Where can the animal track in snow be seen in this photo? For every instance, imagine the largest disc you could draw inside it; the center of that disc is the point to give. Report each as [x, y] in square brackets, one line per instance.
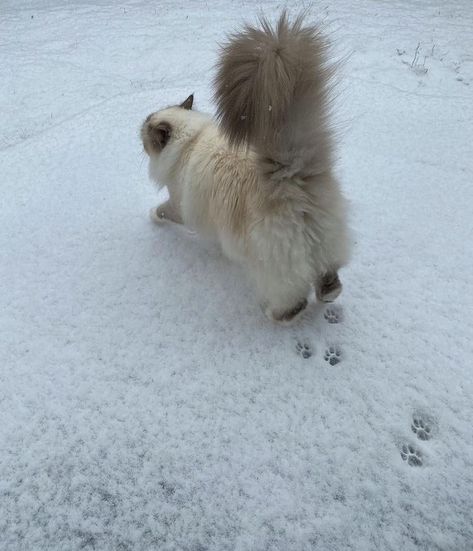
[304, 350]
[333, 355]
[333, 315]
[411, 455]
[421, 428]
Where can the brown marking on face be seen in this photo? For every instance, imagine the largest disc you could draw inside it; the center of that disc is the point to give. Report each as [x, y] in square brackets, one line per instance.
[155, 136]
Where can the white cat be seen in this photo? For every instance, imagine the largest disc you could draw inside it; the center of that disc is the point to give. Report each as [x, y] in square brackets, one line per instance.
[261, 180]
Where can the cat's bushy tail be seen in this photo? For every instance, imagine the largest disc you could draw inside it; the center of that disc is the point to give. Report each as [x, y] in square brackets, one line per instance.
[272, 93]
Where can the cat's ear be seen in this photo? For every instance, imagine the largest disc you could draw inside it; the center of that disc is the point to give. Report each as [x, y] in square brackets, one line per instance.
[187, 104]
[160, 135]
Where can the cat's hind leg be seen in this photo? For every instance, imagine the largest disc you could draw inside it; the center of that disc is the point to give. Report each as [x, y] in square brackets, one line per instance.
[328, 287]
[287, 314]
[282, 301]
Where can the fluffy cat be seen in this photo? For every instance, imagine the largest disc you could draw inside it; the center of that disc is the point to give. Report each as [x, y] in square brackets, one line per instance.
[260, 180]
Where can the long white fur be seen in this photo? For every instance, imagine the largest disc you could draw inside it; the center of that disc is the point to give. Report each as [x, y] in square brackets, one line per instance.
[288, 234]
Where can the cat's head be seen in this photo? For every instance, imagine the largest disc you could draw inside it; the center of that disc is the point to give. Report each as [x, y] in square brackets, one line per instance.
[159, 127]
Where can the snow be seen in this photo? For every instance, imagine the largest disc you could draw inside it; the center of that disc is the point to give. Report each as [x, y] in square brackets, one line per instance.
[146, 403]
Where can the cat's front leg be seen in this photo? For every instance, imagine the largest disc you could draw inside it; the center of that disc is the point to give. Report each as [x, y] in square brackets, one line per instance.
[166, 212]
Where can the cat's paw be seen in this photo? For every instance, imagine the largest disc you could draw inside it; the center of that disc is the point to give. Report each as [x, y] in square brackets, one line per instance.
[329, 287]
[158, 215]
[285, 317]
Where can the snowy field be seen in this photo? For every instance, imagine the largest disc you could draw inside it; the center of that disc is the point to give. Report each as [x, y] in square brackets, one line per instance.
[145, 402]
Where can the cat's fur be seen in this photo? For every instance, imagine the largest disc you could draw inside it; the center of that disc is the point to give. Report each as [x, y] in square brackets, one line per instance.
[261, 181]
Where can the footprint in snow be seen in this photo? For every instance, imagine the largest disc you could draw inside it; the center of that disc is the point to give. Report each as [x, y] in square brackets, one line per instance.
[333, 314]
[304, 350]
[412, 456]
[421, 428]
[333, 355]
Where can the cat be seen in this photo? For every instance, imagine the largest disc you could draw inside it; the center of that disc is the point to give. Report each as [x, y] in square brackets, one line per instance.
[259, 179]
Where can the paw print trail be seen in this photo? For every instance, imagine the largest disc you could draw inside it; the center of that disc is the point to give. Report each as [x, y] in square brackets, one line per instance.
[333, 315]
[421, 426]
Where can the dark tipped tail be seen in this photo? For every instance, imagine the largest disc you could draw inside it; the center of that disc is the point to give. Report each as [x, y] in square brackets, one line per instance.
[272, 90]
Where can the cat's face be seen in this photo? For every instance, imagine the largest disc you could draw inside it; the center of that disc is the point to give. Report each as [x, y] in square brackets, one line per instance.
[157, 129]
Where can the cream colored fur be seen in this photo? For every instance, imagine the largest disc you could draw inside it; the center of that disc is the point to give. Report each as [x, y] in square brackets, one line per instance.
[289, 234]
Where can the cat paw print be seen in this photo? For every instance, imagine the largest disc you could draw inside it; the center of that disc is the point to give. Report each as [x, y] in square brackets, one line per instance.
[412, 456]
[333, 355]
[304, 350]
[333, 315]
[421, 428]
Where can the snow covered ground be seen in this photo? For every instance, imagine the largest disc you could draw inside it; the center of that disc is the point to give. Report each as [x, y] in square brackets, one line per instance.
[145, 402]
